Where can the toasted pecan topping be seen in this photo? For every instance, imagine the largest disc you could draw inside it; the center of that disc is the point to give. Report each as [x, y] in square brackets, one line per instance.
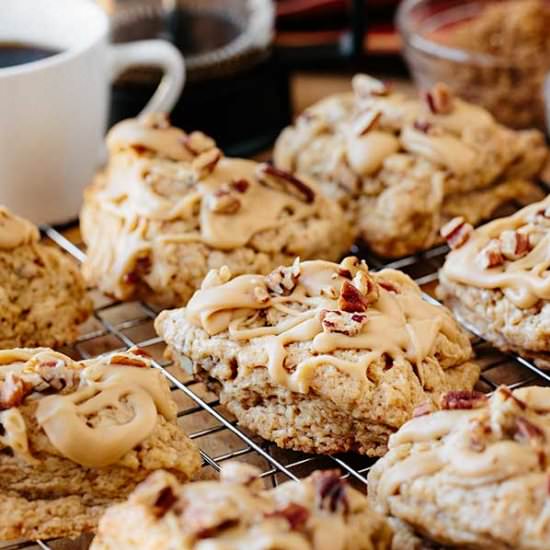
[223, 201]
[367, 286]
[197, 143]
[463, 399]
[13, 391]
[164, 502]
[206, 162]
[342, 322]
[366, 86]
[456, 232]
[506, 394]
[490, 255]
[351, 299]
[296, 515]
[440, 99]
[331, 490]
[283, 280]
[514, 245]
[240, 185]
[366, 121]
[283, 181]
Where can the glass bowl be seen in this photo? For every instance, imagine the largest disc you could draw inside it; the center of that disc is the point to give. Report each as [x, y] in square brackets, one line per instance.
[511, 90]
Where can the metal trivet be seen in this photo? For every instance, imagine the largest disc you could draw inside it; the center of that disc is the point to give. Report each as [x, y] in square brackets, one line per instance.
[116, 326]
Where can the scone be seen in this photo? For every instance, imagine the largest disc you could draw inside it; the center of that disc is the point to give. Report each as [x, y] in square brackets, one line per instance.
[42, 294]
[402, 167]
[169, 207]
[78, 436]
[320, 357]
[319, 512]
[473, 476]
[496, 280]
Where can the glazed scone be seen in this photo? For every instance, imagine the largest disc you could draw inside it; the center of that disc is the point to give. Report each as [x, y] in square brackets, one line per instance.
[317, 513]
[497, 282]
[402, 167]
[320, 357]
[42, 294]
[78, 436]
[169, 207]
[473, 476]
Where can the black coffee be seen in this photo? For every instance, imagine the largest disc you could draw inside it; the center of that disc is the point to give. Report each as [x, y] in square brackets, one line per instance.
[18, 53]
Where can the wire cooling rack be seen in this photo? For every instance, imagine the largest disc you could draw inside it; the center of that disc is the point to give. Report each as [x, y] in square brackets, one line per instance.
[117, 326]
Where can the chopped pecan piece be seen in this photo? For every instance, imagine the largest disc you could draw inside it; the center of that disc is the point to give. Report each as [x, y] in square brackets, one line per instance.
[342, 322]
[526, 430]
[164, 502]
[224, 201]
[456, 232]
[514, 245]
[367, 286]
[206, 162]
[127, 361]
[240, 185]
[351, 299]
[366, 121]
[463, 399]
[365, 86]
[506, 394]
[331, 490]
[283, 280]
[490, 255]
[281, 180]
[58, 376]
[348, 267]
[440, 99]
[296, 515]
[197, 143]
[13, 391]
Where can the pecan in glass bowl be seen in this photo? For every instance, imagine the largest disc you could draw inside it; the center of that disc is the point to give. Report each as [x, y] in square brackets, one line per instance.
[493, 53]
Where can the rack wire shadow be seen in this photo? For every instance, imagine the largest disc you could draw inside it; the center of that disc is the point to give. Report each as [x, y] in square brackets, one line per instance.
[117, 326]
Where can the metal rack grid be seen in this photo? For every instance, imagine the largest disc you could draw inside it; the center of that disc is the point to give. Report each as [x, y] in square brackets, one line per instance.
[117, 326]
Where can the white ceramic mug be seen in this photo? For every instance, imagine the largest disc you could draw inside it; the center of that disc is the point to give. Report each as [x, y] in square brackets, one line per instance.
[53, 112]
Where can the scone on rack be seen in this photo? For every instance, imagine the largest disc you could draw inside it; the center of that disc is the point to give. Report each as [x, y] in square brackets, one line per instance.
[78, 436]
[42, 294]
[169, 207]
[320, 357]
[496, 280]
[321, 511]
[402, 167]
[475, 475]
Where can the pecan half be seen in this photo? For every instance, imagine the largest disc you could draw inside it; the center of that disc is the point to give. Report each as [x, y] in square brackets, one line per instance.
[366, 121]
[206, 162]
[342, 322]
[490, 255]
[13, 391]
[440, 99]
[164, 502]
[283, 280]
[296, 515]
[224, 201]
[514, 245]
[463, 399]
[365, 86]
[127, 361]
[456, 232]
[283, 181]
[331, 490]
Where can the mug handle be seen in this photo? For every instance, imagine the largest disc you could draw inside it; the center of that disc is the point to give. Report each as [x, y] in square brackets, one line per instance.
[155, 53]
